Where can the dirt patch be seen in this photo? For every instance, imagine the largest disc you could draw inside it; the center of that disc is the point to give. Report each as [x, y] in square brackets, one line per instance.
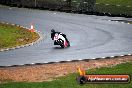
[47, 72]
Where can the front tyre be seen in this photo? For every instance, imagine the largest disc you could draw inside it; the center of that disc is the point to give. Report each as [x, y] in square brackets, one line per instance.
[61, 43]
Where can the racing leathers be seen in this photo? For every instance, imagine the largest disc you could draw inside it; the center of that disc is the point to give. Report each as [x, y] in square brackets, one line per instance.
[55, 35]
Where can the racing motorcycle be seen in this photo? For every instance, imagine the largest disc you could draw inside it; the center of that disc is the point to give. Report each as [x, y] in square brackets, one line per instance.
[60, 39]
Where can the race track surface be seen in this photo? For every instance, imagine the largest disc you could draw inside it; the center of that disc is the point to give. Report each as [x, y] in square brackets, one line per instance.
[90, 36]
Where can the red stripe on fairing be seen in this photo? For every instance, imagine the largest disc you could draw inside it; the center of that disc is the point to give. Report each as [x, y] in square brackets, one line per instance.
[65, 43]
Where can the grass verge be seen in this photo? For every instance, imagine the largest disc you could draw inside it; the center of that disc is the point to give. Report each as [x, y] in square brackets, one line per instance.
[116, 2]
[69, 81]
[115, 7]
[12, 36]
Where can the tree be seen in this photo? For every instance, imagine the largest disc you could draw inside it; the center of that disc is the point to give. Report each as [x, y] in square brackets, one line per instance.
[68, 3]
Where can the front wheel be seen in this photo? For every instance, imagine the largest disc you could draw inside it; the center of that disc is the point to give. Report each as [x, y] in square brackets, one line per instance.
[61, 43]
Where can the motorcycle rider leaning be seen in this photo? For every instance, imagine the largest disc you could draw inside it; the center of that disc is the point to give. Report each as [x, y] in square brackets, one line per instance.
[53, 32]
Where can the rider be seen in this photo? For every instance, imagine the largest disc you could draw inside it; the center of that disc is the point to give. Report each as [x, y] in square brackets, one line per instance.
[53, 32]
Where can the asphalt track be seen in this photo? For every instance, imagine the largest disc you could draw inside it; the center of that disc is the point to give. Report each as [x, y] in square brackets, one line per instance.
[90, 36]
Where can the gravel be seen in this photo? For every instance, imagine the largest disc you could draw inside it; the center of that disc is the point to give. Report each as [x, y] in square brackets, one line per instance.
[48, 72]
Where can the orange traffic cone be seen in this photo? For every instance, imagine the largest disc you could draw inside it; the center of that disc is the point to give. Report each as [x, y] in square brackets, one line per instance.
[32, 29]
[81, 71]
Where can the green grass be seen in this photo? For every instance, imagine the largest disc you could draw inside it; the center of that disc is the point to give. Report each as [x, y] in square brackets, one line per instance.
[116, 2]
[12, 36]
[69, 81]
[113, 9]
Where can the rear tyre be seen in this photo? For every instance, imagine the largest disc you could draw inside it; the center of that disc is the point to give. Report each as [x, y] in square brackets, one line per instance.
[68, 43]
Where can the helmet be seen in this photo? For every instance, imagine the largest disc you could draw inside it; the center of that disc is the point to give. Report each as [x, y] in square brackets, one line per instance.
[52, 30]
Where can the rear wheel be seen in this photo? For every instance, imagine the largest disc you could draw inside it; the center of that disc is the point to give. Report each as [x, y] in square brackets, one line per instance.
[68, 43]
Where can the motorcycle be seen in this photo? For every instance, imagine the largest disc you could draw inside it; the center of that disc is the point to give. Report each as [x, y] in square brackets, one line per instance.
[60, 39]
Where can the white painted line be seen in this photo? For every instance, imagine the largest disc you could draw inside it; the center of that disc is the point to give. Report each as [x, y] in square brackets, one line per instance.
[109, 20]
[27, 45]
[14, 48]
[122, 55]
[1, 50]
[9, 65]
[18, 47]
[93, 58]
[103, 57]
[57, 61]
[22, 46]
[31, 44]
[34, 43]
[112, 56]
[68, 60]
[122, 22]
[129, 54]
[116, 21]
[7, 49]
[128, 23]
[80, 59]
[22, 64]
[45, 62]
[32, 63]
